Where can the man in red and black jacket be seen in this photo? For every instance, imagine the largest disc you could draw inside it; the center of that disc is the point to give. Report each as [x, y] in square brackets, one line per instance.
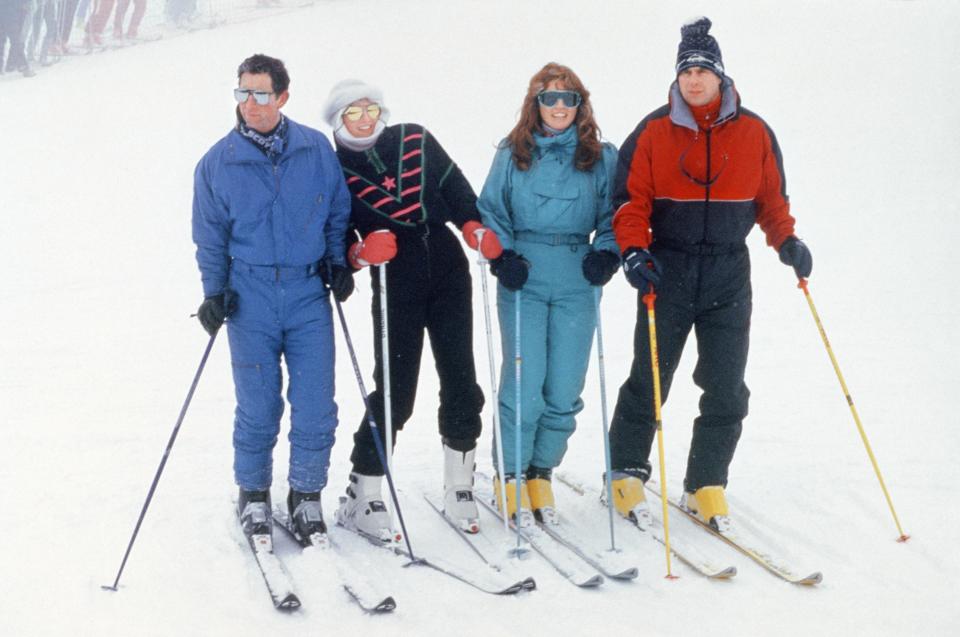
[692, 180]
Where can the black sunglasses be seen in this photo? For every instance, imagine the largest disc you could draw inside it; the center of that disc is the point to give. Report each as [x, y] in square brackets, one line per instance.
[570, 99]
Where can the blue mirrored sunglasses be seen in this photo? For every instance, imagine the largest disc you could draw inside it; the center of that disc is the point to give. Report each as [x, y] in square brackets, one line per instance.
[570, 99]
[260, 97]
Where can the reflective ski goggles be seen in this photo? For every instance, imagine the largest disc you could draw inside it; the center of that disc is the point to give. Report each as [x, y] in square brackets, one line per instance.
[355, 113]
[570, 99]
[260, 97]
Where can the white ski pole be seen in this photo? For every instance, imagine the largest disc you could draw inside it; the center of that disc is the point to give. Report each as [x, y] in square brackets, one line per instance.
[497, 431]
[385, 362]
[603, 411]
[518, 365]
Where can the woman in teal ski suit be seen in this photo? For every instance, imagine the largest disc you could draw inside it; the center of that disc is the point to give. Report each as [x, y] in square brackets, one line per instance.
[548, 191]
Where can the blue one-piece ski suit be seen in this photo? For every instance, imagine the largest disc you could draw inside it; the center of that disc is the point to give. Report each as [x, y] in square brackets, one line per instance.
[262, 228]
[548, 213]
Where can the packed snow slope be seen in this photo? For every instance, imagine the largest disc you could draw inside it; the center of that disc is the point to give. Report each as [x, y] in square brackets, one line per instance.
[99, 281]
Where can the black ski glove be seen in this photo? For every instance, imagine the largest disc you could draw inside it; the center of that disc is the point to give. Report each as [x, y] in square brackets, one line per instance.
[642, 268]
[215, 309]
[339, 279]
[795, 252]
[599, 266]
[511, 269]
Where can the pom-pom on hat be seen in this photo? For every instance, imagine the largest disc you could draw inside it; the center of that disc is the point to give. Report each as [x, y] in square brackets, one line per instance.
[698, 47]
[345, 93]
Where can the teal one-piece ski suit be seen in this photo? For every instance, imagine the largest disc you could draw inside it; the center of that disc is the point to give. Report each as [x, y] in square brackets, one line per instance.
[547, 214]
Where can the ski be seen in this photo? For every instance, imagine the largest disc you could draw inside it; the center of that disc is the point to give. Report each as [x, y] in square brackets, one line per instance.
[485, 585]
[278, 581]
[609, 564]
[750, 546]
[571, 566]
[323, 549]
[488, 550]
[685, 552]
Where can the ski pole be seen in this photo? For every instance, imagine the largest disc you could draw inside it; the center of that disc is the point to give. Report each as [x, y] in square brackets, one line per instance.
[385, 361]
[497, 431]
[163, 460]
[518, 419]
[603, 412]
[802, 284]
[373, 427]
[648, 300]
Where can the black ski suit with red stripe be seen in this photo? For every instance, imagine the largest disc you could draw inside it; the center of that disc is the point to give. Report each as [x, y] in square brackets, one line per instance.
[691, 190]
[408, 184]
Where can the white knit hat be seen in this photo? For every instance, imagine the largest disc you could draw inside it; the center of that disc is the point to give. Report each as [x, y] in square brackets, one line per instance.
[345, 93]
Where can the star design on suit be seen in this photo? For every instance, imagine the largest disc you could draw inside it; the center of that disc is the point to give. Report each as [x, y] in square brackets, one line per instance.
[389, 183]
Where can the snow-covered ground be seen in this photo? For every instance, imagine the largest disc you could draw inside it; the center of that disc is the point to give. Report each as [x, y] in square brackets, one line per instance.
[98, 348]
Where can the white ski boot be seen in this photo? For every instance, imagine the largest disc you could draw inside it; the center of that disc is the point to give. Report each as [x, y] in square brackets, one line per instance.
[458, 503]
[363, 510]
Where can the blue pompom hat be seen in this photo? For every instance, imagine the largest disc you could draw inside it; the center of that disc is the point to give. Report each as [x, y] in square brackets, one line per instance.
[698, 47]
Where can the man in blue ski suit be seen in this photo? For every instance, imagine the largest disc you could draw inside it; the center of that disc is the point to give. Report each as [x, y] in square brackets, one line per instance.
[270, 214]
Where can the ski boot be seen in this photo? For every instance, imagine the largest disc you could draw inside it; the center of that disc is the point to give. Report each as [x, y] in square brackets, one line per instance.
[709, 505]
[541, 495]
[458, 502]
[306, 517]
[253, 509]
[510, 480]
[628, 496]
[363, 510]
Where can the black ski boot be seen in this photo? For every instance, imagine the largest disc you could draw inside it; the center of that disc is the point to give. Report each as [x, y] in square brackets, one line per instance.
[253, 507]
[306, 516]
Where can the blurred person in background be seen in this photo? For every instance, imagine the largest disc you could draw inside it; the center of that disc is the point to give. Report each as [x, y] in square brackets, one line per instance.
[43, 22]
[14, 25]
[139, 9]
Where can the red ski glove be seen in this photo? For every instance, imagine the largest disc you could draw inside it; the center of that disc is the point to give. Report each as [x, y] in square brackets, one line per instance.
[489, 246]
[377, 248]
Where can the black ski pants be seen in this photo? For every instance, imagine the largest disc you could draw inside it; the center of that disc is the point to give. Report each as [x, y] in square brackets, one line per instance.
[711, 294]
[428, 289]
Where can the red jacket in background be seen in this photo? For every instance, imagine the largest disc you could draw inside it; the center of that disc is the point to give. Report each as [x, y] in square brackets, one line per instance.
[682, 184]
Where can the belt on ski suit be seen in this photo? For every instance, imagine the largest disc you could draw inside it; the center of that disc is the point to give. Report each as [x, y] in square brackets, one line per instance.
[277, 272]
[552, 239]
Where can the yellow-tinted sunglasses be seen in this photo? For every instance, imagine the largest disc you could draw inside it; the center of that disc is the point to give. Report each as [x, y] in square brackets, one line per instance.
[355, 113]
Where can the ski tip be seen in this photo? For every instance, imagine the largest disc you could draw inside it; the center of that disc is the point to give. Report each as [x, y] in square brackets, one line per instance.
[592, 582]
[627, 574]
[728, 573]
[289, 603]
[386, 606]
[529, 584]
[812, 579]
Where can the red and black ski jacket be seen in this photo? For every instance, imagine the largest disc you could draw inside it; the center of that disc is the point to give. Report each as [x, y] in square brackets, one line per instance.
[405, 182]
[702, 186]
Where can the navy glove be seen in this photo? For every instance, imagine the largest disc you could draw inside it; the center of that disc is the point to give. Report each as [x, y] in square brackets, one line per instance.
[339, 279]
[599, 266]
[642, 269]
[511, 269]
[795, 252]
[215, 309]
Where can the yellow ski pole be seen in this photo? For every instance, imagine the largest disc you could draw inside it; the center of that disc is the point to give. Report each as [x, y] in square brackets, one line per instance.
[648, 300]
[853, 410]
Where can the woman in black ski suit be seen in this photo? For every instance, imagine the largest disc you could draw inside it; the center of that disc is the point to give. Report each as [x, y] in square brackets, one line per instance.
[405, 188]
